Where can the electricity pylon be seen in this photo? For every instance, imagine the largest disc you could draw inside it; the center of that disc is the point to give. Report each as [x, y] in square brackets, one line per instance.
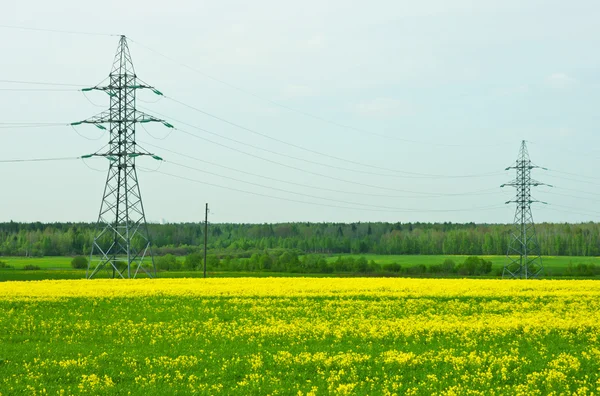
[523, 256]
[122, 243]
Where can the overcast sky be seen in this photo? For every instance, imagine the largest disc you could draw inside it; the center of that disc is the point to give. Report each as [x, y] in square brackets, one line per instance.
[430, 87]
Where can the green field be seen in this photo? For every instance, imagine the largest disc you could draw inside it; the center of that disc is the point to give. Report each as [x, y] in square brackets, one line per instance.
[42, 262]
[325, 336]
[60, 267]
[404, 260]
[550, 262]
[20, 275]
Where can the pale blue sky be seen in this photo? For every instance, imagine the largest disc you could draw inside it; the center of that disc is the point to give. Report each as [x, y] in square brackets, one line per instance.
[465, 81]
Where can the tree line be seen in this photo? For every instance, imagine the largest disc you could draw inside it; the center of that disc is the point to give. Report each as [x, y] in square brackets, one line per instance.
[289, 261]
[70, 239]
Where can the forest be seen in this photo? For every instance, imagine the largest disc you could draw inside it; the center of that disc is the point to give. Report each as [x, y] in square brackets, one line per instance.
[69, 239]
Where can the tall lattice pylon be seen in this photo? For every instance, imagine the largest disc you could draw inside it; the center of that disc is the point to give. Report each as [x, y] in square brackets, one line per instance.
[523, 256]
[122, 244]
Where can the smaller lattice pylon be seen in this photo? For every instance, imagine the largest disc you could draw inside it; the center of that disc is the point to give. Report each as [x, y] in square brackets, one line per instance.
[524, 259]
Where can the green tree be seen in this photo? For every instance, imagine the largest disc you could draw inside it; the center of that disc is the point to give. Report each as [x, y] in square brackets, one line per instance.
[361, 265]
[168, 262]
[192, 261]
[474, 265]
[212, 262]
[266, 262]
[79, 262]
[392, 267]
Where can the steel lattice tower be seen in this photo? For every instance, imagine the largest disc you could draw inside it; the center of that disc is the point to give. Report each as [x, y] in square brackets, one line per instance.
[122, 243]
[523, 256]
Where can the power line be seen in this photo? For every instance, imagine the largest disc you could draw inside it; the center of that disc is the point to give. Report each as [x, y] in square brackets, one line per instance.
[31, 125]
[158, 138]
[573, 180]
[577, 191]
[317, 203]
[304, 113]
[293, 167]
[574, 174]
[57, 31]
[321, 164]
[569, 211]
[38, 90]
[91, 101]
[437, 195]
[92, 168]
[40, 159]
[88, 138]
[41, 83]
[303, 194]
[570, 207]
[283, 190]
[572, 196]
[328, 155]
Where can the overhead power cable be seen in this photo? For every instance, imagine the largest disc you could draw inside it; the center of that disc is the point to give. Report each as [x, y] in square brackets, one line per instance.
[30, 125]
[38, 90]
[91, 167]
[304, 113]
[89, 138]
[577, 191]
[569, 211]
[573, 174]
[573, 180]
[40, 159]
[577, 209]
[33, 123]
[572, 196]
[155, 137]
[322, 204]
[320, 164]
[433, 176]
[42, 83]
[301, 194]
[293, 167]
[490, 191]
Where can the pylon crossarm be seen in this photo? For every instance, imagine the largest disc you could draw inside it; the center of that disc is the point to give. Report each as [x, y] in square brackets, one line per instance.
[144, 118]
[108, 90]
[101, 118]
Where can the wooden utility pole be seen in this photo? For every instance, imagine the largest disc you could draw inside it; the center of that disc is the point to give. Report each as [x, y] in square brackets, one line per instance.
[205, 236]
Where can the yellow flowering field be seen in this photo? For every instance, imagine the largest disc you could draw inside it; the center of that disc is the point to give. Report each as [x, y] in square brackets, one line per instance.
[300, 336]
